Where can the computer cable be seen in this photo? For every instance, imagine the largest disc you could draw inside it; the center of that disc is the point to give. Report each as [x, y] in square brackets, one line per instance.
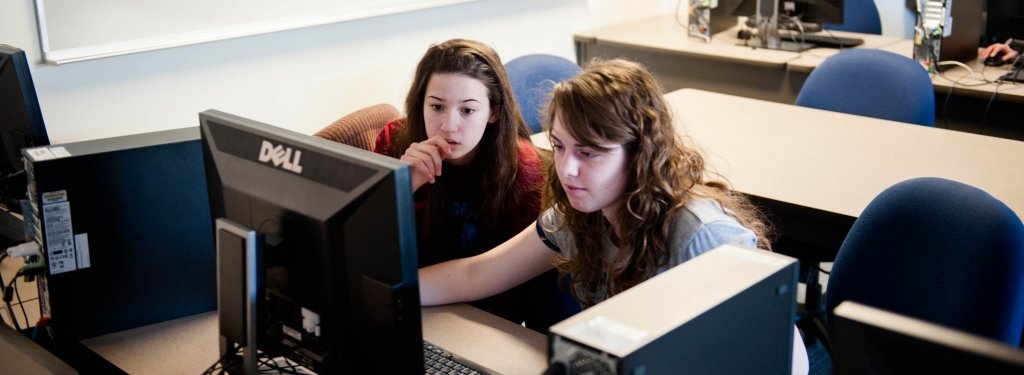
[11, 291]
[984, 116]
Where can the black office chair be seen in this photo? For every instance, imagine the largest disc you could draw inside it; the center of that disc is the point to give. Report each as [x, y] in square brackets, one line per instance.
[936, 250]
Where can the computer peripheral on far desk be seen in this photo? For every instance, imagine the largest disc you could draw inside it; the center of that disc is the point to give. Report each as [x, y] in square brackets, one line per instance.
[1016, 71]
[824, 40]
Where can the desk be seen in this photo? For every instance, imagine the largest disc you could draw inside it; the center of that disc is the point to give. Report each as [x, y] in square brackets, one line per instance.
[817, 170]
[190, 345]
[679, 61]
[963, 83]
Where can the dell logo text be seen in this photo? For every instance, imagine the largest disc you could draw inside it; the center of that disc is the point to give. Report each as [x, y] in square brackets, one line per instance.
[281, 156]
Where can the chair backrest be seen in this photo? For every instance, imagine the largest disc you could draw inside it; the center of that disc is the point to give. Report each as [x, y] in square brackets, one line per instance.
[940, 251]
[859, 16]
[532, 78]
[873, 83]
[360, 128]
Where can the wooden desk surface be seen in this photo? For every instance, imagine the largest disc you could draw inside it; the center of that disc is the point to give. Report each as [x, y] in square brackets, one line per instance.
[838, 162]
[189, 345]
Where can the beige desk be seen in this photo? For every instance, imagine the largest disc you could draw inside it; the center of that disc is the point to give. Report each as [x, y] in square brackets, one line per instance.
[964, 82]
[189, 345]
[680, 61]
[834, 161]
[817, 170]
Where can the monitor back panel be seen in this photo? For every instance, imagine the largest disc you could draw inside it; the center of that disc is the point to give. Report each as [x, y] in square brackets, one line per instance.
[126, 231]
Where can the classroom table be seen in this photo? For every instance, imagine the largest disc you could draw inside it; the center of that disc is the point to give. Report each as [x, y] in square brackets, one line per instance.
[680, 61]
[189, 345]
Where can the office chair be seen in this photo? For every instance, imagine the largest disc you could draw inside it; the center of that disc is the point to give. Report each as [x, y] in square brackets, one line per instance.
[873, 83]
[532, 78]
[859, 16]
[940, 251]
[360, 128]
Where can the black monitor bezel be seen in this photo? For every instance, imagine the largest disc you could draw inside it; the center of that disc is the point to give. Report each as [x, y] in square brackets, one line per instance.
[365, 286]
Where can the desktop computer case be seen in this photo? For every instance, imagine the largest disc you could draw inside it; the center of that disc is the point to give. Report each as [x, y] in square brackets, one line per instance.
[728, 311]
[124, 225]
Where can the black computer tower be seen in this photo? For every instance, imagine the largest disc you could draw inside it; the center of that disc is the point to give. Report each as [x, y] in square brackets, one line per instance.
[125, 229]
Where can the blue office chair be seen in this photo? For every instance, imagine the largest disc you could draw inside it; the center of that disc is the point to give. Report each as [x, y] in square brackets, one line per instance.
[873, 83]
[532, 78]
[940, 251]
[859, 16]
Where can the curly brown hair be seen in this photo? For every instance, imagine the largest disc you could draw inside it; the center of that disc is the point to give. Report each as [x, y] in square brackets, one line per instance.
[620, 102]
[497, 152]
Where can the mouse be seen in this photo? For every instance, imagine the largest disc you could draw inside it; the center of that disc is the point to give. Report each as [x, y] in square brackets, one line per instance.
[996, 60]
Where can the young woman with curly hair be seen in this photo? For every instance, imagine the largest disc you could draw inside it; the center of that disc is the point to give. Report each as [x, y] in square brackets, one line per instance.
[628, 200]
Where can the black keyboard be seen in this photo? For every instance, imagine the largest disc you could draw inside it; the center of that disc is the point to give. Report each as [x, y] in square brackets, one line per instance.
[437, 361]
[825, 40]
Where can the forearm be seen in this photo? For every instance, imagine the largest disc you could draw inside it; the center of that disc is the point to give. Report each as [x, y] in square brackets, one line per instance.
[468, 279]
[443, 283]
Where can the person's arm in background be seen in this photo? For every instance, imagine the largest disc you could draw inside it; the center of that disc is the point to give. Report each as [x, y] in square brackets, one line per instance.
[997, 49]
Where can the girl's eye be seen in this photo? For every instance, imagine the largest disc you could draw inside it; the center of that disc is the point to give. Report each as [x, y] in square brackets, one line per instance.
[437, 107]
[557, 147]
[468, 111]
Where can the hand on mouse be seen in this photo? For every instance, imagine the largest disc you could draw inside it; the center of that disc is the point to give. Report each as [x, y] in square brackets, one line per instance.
[997, 54]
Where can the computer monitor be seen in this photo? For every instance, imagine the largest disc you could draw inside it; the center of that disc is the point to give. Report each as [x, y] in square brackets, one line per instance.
[869, 340]
[1004, 19]
[21, 123]
[327, 232]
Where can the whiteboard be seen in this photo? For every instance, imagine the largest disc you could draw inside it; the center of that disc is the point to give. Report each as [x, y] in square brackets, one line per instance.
[76, 30]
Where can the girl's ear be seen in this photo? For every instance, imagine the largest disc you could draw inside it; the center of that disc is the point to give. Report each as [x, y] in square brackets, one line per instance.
[494, 115]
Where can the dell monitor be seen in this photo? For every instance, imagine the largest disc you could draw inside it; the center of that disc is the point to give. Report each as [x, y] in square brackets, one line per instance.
[21, 123]
[316, 250]
[868, 340]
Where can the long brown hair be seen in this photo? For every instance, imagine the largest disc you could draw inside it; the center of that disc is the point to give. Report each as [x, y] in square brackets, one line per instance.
[498, 149]
[619, 101]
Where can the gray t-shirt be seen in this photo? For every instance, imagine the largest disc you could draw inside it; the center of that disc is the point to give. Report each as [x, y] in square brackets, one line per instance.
[703, 225]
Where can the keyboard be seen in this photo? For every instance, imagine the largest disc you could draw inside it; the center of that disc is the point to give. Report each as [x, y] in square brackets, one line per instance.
[824, 40]
[438, 361]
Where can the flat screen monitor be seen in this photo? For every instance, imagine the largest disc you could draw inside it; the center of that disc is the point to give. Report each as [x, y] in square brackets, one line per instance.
[1004, 19]
[21, 122]
[869, 340]
[327, 234]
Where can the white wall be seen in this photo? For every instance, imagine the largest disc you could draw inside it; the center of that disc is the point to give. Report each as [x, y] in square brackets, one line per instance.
[300, 79]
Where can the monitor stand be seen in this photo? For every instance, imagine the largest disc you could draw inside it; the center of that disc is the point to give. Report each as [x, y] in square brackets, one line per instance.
[768, 31]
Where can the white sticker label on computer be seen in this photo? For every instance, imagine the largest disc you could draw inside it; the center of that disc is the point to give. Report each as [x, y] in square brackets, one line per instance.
[60, 152]
[40, 153]
[60, 242]
[82, 250]
[51, 197]
[610, 333]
